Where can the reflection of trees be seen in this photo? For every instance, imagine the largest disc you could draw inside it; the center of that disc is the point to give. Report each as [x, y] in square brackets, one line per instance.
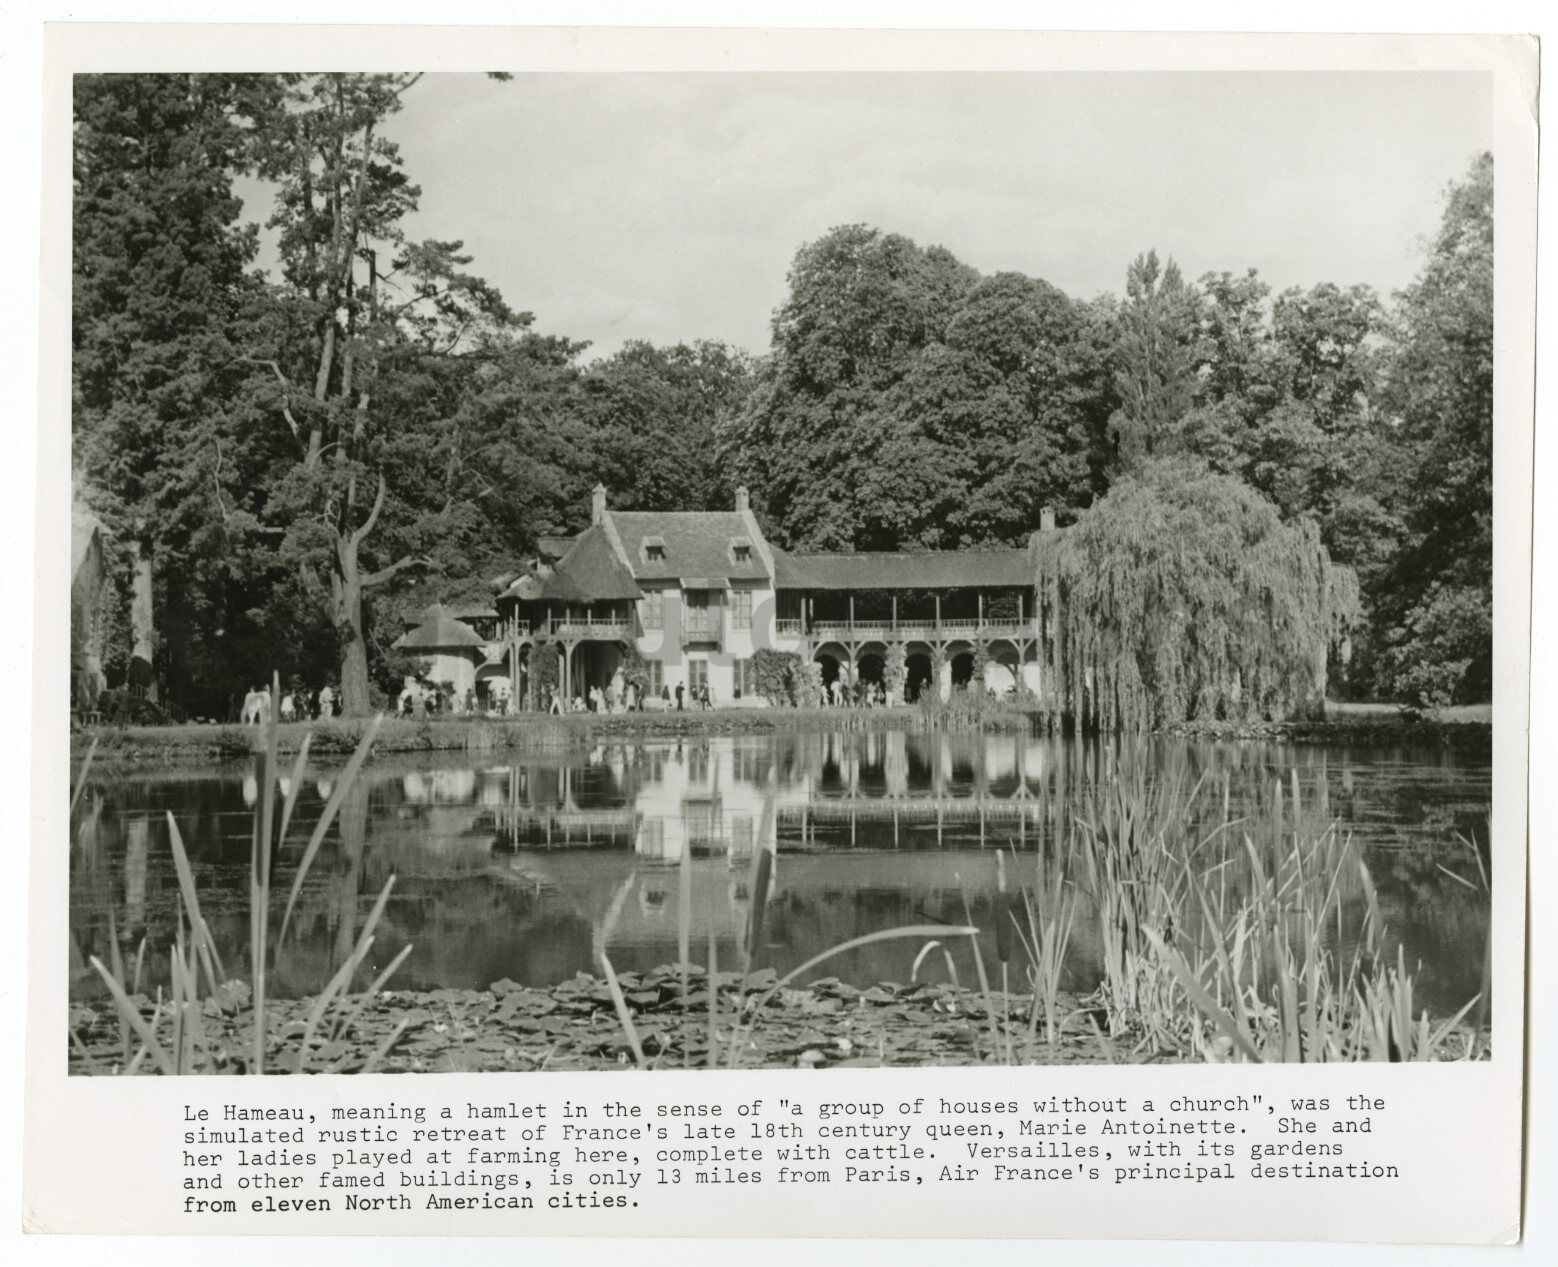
[472, 923]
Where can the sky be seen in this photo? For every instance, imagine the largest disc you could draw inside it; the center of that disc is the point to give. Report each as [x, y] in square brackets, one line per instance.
[668, 207]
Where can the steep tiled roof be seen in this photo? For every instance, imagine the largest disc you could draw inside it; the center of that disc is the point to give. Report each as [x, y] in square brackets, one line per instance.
[439, 631]
[84, 530]
[695, 543]
[591, 572]
[878, 569]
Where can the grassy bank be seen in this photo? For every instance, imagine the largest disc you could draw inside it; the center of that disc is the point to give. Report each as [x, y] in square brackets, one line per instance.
[1362, 729]
[531, 732]
[1348, 724]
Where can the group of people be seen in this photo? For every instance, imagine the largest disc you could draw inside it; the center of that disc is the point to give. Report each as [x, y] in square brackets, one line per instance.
[622, 696]
[702, 698]
[418, 699]
[296, 704]
[617, 696]
[858, 694]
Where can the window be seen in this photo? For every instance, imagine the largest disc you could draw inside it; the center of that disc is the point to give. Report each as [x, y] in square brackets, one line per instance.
[656, 684]
[741, 609]
[652, 608]
[654, 549]
[700, 614]
[697, 674]
[746, 678]
[741, 551]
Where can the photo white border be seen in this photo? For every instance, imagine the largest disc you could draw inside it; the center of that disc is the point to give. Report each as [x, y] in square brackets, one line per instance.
[147, 49]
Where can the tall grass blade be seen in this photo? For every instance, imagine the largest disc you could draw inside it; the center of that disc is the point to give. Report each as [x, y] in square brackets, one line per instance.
[294, 786]
[133, 1018]
[1202, 999]
[855, 943]
[210, 957]
[382, 1049]
[82, 777]
[624, 1016]
[332, 807]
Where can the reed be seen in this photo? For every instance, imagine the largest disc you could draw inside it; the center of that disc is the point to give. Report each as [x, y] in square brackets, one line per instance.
[1049, 912]
[194, 957]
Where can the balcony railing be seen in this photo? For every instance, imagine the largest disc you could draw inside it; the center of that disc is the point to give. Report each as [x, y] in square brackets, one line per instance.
[921, 630]
[708, 628]
[599, 627]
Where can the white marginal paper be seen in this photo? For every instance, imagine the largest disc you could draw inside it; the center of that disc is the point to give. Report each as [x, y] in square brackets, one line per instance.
[112, 1156]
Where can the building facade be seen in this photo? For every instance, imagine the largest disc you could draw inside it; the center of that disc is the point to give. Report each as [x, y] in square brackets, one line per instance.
[697, 594]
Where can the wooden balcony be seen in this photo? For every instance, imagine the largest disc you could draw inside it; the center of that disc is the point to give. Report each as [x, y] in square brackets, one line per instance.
[703, 628]
[596, 628]
[971, 630]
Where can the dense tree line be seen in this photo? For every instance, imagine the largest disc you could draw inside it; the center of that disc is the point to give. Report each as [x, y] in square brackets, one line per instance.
[300, 457]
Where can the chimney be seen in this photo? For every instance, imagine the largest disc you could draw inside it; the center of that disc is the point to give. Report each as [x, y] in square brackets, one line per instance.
[1046, 519]
[743, 500]
[598, 504]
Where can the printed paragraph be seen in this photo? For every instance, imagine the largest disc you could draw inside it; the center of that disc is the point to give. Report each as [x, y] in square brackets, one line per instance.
[612, 1154]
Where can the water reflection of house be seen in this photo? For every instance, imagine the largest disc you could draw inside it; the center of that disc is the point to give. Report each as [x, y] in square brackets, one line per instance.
[700, 804]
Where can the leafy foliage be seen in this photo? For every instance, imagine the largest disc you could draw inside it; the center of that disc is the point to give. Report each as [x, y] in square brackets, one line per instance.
[778, 675]
[1184, 595]
[1434, 616]
[911, 403]
[306, 457]
[895, 672]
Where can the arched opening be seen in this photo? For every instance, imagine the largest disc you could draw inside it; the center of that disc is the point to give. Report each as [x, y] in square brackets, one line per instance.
[593, 665]
[1004, 674]
[917, 671]
[871, 667]
[962, 668]
[830, 667]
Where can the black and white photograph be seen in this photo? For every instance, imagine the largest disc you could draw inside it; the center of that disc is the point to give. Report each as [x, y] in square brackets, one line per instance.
[697, 571]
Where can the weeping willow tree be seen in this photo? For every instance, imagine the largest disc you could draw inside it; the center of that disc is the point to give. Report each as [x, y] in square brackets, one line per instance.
[1182, 595]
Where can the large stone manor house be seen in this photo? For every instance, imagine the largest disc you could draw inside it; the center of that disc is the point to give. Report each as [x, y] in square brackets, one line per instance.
[698, 593]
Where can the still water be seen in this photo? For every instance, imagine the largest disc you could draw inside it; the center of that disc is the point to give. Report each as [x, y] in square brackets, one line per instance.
[507, 868]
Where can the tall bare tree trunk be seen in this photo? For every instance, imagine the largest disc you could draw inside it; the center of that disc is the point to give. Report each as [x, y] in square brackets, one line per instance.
[143, 622]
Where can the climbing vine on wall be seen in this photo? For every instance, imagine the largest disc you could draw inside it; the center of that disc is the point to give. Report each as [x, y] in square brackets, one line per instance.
[1184, 596]
[545, 670]
[895, 671]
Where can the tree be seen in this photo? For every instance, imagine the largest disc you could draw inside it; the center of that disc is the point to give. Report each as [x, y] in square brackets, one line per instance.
[1183, 595]
[360, 305]
[654, 413]
[911, 403]
[861, 304]
[159, 261]
[1155, 346]
[1433, 621]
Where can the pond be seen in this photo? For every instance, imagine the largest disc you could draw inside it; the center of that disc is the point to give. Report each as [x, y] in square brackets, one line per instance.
[509, 868]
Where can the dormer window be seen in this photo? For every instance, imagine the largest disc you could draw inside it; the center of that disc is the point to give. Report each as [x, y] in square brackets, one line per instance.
[740, 550]
[654, 549]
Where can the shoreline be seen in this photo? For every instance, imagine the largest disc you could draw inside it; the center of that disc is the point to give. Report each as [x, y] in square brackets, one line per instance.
[540, 733]
[573, 1026]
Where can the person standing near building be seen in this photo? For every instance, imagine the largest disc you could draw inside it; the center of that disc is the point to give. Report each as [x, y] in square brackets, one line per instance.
[678, 697]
